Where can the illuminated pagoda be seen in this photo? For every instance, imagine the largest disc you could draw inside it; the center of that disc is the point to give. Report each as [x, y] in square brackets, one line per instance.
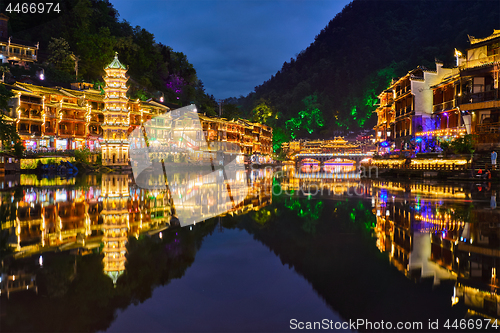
[116, 116]
[115, 222]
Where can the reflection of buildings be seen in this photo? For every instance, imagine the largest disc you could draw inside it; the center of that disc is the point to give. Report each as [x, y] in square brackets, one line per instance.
[476, 259]
[425, 236]
[50, 218]
[57, 216]
[342, 181]
[403, 227]
[115, 223]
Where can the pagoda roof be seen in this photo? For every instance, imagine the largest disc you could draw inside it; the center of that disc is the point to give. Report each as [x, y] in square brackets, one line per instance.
[115, 64]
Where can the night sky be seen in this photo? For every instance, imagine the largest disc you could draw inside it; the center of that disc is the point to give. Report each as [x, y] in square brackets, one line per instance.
[234, 45]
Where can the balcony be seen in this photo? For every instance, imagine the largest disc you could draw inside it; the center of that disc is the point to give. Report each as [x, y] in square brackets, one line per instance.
[31, 100]
[448, 105]
[488, 128]
[479, 97]
[481, 62]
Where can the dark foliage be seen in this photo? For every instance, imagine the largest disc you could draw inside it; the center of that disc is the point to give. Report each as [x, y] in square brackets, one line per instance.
[366, 45]
[94, 32]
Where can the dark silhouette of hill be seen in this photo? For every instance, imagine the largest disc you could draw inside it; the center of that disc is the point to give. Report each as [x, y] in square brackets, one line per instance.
[366, 45]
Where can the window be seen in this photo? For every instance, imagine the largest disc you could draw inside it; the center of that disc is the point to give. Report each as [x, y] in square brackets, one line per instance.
[493, 48]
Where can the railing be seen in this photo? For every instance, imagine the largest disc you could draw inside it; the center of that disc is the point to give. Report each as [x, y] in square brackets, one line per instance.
[488, 128]
[437, 107]
[31, 100]
[480, 97]
[481, 62]
[448, 105]
[423, 166]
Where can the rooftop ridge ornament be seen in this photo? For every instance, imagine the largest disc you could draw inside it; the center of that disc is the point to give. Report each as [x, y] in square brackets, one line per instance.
[473, 40]
[115, 64]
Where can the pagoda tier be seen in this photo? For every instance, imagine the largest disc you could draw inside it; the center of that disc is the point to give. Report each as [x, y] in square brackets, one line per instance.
[116, 116]
[115, 226]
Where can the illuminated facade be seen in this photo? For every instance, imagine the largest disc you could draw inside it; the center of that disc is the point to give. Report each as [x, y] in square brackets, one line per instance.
[15, 51]
[479, 88]
[337, 145]
[384, 130]
[446, 103]
[116, 116]
[59, 119]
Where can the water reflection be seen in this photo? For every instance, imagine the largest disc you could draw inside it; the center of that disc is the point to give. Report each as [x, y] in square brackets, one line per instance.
[427, 233]
[104, 211]
[330, 230]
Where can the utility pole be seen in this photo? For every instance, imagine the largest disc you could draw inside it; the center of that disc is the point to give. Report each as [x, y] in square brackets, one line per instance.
[220, 108]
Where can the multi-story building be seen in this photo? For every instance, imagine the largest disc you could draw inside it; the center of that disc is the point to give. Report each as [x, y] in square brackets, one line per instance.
[478, 94]
[13, 50]
[58, 119]
[413, 100]
[115, 147]
[448, 120]
[448, 102]
[385, 118]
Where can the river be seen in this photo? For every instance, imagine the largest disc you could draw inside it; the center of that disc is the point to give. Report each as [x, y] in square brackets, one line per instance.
[98, 253]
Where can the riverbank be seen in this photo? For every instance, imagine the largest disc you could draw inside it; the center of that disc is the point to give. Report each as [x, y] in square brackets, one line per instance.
[462, 175]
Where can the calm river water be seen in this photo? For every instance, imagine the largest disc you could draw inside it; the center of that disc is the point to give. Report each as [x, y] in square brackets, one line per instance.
[98, 253]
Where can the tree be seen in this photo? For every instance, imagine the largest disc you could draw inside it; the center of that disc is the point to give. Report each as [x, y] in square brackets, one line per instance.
[308, 120]
[60, 55]
[11, 142]
[264, 113]
[463, 145]
[231, 111]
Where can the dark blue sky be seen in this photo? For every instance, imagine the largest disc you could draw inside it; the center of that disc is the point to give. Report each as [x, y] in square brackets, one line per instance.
[234, 45]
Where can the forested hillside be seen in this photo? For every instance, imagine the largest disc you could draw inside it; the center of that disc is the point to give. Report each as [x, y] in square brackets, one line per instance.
[331, 86]
[92, 31]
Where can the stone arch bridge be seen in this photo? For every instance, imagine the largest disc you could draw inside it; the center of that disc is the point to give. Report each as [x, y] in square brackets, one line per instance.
[323, 157]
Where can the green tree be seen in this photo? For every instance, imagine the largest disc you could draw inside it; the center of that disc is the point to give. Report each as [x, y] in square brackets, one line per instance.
[11, 142]
[60, 55]
[308, 120]
[264, 113]
[279, 136]
[463, 145]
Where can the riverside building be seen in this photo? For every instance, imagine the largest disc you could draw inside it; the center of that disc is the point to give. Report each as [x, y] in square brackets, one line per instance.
[427, 107]
[58, 119]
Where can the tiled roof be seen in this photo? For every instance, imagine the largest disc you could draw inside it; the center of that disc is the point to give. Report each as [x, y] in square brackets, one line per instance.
[473, 40]
[115, 64]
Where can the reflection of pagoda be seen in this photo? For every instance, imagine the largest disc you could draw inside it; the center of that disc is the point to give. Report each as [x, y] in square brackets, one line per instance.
[115, 217]
[116, 116]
